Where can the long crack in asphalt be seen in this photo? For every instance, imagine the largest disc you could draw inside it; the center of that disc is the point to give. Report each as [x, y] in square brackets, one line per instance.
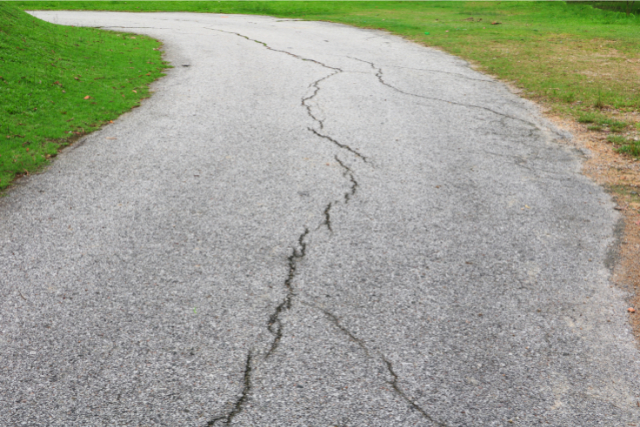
[380, 77]
[244, 395]
[449, 73]
[380, 358]
[266, 46]
[339, 144]
[274, 323]
[316, 87]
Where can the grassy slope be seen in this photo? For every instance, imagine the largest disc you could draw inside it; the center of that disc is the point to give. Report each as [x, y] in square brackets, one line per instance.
[47, 70]
[582, 62]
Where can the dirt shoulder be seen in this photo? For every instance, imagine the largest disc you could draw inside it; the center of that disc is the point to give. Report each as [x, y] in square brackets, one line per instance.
[620, 175]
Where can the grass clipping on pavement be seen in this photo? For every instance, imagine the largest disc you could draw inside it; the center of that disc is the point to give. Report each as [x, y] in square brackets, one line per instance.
[58, 83]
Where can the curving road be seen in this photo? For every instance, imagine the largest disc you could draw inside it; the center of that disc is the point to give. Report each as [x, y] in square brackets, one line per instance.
[312, 225]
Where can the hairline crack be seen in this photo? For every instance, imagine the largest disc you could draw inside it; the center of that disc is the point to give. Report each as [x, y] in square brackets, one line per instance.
[461, 104]
[394, 377]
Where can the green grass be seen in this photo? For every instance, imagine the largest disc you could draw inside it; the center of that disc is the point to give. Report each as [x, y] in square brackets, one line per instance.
[47, 72]
[618, 6]
[625, 145]
[601, 121]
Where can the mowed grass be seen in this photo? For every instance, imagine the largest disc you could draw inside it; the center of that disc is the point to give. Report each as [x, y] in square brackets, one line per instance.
[58, 83]
[619, 6]
[580, 61]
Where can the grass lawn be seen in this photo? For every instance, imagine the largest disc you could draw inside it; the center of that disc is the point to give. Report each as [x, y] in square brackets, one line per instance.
[580, 61]
[58, 83]
[620, 6]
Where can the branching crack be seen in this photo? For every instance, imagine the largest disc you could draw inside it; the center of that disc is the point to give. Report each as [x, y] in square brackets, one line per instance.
[315, 85]
[348, 173]
[274, 324]
[242, 399]
[380, 77]
[388, 365]
[343, 146]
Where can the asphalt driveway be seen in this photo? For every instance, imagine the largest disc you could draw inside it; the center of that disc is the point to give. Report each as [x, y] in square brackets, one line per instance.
[312, 225]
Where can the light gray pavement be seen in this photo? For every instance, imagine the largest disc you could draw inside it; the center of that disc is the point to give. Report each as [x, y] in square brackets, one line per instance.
[327, 227]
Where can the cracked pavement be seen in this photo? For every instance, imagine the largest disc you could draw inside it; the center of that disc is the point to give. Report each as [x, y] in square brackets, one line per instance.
[312, 225]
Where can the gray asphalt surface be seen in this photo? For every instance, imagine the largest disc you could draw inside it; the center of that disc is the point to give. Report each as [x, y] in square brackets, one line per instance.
[312, 225]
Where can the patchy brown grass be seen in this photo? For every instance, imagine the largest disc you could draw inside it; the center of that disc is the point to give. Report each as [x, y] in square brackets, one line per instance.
[568, 74]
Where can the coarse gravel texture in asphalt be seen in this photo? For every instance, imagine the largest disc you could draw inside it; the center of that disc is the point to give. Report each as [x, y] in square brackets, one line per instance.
[310, 224]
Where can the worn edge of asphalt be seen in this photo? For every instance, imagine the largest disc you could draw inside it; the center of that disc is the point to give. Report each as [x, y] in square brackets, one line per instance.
[622, 261]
